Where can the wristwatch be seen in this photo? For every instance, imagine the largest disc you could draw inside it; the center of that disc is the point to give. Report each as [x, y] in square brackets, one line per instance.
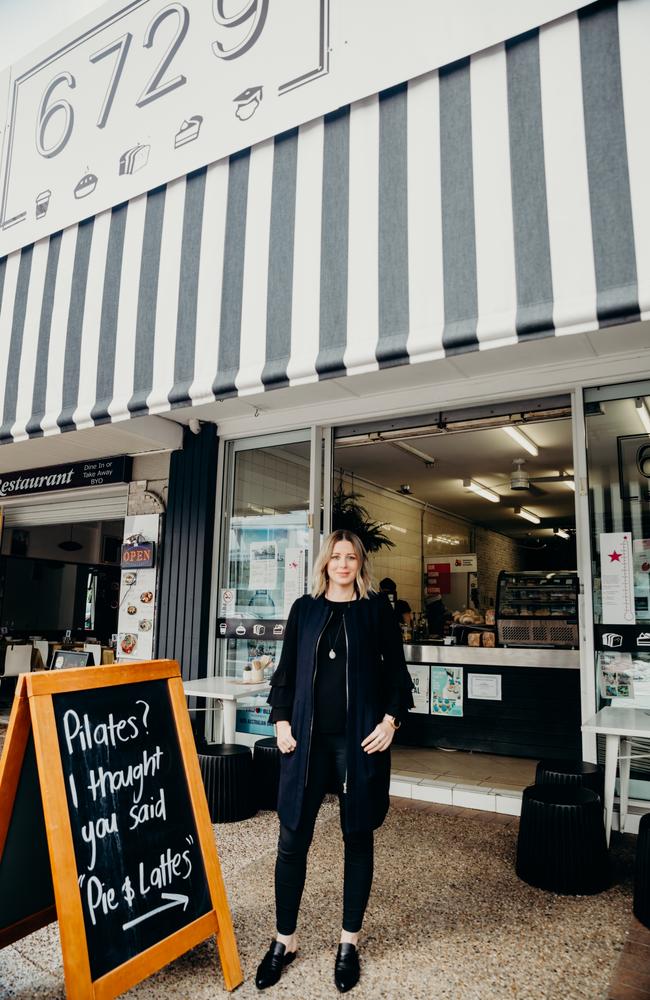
[395, 723]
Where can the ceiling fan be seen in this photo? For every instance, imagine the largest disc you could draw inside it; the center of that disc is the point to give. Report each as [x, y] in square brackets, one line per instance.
[520, 481]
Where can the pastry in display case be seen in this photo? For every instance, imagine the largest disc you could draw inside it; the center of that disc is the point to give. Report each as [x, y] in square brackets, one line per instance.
[538, 609]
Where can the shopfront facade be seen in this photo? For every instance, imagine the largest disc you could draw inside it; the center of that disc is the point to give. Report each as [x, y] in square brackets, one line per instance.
[475, 236]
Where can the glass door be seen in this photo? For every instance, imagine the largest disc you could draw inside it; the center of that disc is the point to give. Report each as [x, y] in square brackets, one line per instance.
[272, 521]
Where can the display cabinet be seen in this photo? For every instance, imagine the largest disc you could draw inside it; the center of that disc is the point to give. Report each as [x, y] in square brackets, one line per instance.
[537, 609]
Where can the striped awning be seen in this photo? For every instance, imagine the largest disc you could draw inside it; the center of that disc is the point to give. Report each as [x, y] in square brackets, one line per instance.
[500, 198]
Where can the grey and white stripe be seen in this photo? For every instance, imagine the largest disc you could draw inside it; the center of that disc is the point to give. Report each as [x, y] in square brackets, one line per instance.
[499, 198]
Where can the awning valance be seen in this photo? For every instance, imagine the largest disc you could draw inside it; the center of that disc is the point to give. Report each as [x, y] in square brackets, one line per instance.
[501, 198]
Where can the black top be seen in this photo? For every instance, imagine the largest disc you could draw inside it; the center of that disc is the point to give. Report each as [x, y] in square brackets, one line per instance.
[330, 694]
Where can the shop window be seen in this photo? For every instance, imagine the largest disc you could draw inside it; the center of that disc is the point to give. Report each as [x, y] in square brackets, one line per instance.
[618, 448]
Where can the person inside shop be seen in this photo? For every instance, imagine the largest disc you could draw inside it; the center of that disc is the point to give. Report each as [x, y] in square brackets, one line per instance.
[436, 612]
[401, 608]
[338, 695]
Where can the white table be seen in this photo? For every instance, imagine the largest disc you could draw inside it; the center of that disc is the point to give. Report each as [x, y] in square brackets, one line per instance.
[619, 726]
[228, 692]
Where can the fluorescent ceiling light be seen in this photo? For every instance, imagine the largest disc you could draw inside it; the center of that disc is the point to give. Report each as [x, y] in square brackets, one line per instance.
[516, 433]
[642, 411]
[428, 460]
[527, 514]
[571, 483]
[561, 533]
[481, 491]
[395, 527]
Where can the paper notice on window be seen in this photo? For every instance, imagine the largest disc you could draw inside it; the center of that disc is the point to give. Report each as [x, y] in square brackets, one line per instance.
[616, 675]
[294, 577]
[263, 566]
[617, 578]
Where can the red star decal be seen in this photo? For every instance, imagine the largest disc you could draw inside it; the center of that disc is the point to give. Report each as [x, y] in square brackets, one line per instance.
[615, 556]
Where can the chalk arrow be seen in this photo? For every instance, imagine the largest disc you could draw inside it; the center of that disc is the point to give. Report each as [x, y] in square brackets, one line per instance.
[175, 899]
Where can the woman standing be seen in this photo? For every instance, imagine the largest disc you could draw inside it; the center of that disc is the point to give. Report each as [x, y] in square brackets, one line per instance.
[339, 693]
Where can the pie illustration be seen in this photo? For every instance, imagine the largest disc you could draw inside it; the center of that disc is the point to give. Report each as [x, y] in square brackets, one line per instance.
[146, 597]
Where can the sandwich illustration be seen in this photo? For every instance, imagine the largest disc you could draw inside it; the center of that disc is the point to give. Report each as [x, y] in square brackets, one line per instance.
[134, 159]
[85, 186]
[189, 131]
[247, 103]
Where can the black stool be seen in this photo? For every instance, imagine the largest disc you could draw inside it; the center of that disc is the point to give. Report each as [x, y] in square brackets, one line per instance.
[266, 769]
[571, 772]
[227, 770]
[561, 845]
[641, 905]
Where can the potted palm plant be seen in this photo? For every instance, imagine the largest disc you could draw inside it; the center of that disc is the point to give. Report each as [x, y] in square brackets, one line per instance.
[350, 515]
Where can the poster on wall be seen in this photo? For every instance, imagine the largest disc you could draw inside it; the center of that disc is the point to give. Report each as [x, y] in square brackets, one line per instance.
[617, 578]
[136, 621]
[420, 677]
[447, 691]
[484, 687]
[438, 577]
[439, 569]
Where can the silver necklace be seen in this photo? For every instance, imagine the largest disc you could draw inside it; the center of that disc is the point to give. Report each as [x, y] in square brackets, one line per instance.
[332, 652]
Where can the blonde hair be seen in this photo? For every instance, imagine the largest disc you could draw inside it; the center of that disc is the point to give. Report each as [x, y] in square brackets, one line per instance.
[320, 580]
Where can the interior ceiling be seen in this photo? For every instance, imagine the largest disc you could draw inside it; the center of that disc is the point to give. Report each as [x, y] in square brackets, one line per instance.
[616, 418]
[485, 456]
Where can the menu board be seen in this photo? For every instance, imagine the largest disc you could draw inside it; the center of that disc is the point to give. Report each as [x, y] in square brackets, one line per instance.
[104, 825]
[139, 866]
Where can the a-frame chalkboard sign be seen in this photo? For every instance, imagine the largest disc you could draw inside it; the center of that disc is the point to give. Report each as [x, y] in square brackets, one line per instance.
[104, 825]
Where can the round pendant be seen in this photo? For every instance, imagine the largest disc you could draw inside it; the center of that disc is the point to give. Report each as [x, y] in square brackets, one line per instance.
[332, 654]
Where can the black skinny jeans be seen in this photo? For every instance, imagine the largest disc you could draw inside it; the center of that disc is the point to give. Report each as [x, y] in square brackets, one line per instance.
[327, 761]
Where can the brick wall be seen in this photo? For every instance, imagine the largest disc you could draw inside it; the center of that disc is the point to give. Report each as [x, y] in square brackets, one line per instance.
[494, 552]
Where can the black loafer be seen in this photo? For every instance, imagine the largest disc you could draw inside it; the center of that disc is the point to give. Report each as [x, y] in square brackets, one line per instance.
[346, 968]
[270, 968]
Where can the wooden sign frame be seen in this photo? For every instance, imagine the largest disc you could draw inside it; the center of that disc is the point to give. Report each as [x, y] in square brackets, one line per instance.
[33, 710]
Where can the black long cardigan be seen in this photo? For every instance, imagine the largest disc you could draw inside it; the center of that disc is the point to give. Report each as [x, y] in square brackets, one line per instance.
[377, 681]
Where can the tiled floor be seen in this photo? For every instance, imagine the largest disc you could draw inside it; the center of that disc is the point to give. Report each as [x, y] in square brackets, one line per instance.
[483, 769]
[456, 778]
[631, 979]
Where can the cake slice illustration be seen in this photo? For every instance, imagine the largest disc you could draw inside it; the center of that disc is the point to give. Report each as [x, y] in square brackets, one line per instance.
[134, 159]
[247, 103]
[189, 131]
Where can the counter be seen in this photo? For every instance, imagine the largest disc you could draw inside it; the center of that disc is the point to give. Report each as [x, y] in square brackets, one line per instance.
[563, 659]
[537, 715]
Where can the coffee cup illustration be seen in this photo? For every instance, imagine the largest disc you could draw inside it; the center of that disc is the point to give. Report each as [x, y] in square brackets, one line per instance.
[42, 203]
